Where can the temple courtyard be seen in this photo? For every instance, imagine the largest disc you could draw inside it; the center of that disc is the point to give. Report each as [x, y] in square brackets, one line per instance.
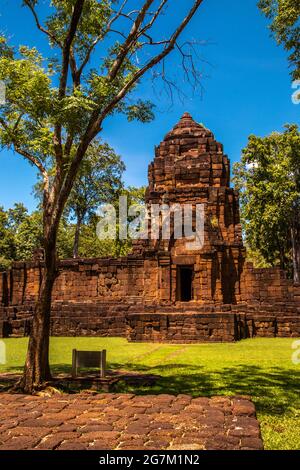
[204, 396]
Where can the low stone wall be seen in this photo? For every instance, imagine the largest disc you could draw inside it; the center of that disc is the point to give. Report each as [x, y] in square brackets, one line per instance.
[182, 328]
[207, 324]
[201, 328]
[149, 280]
[67, 319]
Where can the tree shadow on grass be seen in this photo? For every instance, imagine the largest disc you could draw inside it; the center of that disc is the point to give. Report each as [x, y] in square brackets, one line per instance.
[275, 391]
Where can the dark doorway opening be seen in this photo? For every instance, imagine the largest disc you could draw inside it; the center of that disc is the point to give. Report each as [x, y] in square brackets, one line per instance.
[185, 276]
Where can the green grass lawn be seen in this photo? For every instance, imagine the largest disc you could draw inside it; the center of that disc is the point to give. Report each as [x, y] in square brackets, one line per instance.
[259, 367]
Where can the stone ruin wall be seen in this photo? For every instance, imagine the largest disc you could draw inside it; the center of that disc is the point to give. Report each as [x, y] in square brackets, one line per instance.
[122, 298]
[90, 297]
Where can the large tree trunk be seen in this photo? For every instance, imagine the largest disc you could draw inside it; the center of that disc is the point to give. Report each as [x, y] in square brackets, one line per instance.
[37, 369]
[76, 238]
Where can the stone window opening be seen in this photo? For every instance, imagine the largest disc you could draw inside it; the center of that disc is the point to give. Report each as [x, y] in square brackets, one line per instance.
[185, 275]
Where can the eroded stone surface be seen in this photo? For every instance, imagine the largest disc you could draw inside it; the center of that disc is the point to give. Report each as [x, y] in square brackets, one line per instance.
[120, 422]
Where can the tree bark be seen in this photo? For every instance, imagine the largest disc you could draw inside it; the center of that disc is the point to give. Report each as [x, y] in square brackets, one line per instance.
[295, 238]
[37, 368]
[77, 237]
[295, 241]
[282, 257]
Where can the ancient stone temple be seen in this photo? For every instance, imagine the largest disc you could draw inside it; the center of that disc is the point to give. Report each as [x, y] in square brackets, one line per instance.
[191, 168]
[170, 288]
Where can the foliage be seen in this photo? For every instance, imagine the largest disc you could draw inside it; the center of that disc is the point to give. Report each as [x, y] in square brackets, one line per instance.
[29, 236]
[7, 248]
[135, 195]
[268, 178]
[91, 246]
[260, 367]
[21, 232]
[98, 181]
[285, 26]
[255, 257]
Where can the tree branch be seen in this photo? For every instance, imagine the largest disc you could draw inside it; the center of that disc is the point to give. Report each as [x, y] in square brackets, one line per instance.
[154, 18]
[100, 37]
[25, 153]
[132, 37]
[39, 26]
[171, 45]
[77, 12]
[94, 126]
[35, 162]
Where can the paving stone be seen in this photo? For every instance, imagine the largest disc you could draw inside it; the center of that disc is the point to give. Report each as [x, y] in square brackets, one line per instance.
[50, 442]
[20, 443]
[252, 443]
[28, 431]
[96, 428]
[249, 431]
[103, 445]
[72, 446]
[127, 423]
[159, 444]
[138, 429]
[41, 422]
[93, 436]
[243, 408]
[186, 446]
[67, 427]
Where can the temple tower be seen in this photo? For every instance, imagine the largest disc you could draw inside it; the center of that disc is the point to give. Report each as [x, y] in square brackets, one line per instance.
[190, 168]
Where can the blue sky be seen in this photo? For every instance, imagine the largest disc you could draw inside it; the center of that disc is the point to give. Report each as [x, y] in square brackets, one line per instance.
[246, 89]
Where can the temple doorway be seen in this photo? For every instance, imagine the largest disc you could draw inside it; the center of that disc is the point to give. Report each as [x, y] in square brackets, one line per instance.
[185, 276]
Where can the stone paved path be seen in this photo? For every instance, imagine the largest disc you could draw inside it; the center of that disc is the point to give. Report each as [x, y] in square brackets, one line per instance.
[113, 421]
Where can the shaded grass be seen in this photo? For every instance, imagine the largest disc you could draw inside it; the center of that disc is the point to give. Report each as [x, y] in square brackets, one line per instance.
[259, 367]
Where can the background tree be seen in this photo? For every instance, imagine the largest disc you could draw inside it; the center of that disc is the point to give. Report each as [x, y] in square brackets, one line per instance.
[98, 181]
[268, 178]
[285, 26]
[7, 245]
[56, 108]
[21, 233]
[135, 196]
[16, 216]
[28, 236]
[16, 243]
[91, 246]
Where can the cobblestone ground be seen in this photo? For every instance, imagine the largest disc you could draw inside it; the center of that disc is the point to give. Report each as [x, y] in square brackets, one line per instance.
[113, 421]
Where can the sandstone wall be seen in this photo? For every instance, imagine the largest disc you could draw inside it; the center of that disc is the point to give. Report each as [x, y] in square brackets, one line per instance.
[92, 280]
[268, 285]
[130, 297]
